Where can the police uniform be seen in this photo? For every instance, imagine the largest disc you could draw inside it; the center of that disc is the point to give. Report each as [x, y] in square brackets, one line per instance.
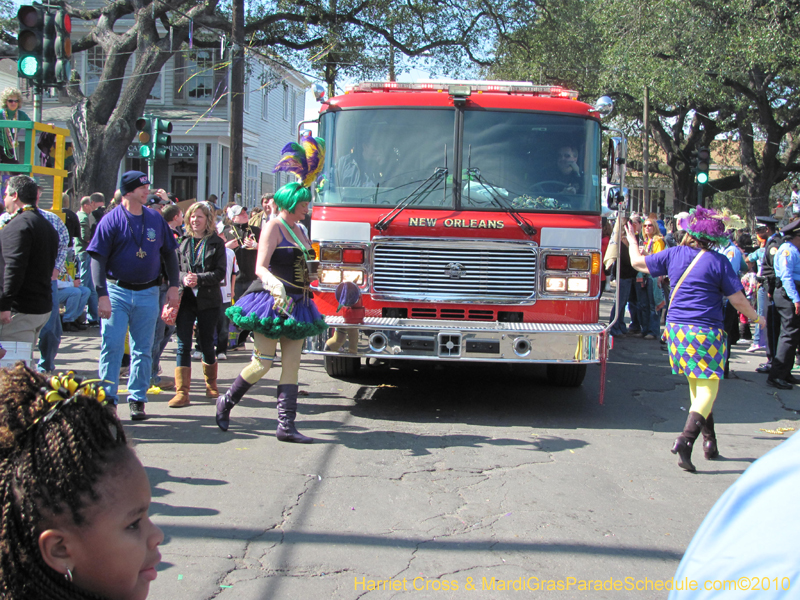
[787, 279]
[773, 325]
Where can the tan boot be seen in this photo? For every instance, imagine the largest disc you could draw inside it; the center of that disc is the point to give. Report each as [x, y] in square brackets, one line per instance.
[183, 378]
[210, 373]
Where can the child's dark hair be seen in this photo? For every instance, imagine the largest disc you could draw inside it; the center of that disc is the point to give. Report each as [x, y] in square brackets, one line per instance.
[48, 467]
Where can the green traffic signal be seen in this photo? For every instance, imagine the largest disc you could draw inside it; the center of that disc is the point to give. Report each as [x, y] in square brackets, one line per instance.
[703, 163]
[29, 66]
[144, 126]
[161, 130]
[30, 42]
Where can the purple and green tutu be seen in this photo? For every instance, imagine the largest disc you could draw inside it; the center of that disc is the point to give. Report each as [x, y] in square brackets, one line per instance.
[256, 312]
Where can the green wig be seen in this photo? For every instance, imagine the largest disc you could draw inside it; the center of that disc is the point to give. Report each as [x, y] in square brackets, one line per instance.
[290, 195]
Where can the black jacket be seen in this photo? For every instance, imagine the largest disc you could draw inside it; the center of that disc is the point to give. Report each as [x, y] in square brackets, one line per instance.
[28, 249]
[210, 270]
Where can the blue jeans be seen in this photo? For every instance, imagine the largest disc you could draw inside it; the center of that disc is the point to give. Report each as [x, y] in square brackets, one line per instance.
[50, 335]
[761, 307]
[624, 286]
[74, 301]
[85, 263]
[646, 305]
[138, 312]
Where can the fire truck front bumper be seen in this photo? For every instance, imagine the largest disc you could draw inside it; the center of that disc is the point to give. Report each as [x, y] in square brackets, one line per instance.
[388, 338]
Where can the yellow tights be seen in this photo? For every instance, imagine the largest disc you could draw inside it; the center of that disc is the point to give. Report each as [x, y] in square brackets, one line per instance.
[264, 354]
[703, 393]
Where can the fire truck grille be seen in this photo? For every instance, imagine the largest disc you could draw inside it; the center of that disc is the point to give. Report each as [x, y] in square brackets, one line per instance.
[454, 271]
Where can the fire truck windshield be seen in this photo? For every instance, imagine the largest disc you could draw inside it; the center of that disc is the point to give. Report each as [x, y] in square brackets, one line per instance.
[534, 161]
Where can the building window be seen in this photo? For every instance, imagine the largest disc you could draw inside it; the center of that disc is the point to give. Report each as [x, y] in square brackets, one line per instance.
[246, 99]
[265, 103]
[251, 184]
[277, 180]
[199, 86]
[95, 59]
[286, 101]
[157, 93]
[293, 121]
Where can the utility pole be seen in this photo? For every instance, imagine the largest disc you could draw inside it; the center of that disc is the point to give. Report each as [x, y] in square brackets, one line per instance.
[237, 100]
[646, 153]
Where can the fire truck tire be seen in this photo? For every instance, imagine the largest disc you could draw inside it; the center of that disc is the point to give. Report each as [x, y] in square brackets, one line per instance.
[566, 375]
[342, 366]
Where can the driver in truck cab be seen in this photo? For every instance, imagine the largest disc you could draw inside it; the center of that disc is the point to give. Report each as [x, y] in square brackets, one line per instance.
[568, 170]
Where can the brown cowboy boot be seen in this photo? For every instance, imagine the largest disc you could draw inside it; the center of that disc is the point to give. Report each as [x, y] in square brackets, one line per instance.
[183, 378]
[685, 442]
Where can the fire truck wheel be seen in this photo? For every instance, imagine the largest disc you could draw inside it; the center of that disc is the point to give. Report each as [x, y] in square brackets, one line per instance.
[566, 375]
[342, 366]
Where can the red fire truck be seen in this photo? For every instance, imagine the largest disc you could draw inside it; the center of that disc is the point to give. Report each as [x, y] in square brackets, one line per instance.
[468, 215]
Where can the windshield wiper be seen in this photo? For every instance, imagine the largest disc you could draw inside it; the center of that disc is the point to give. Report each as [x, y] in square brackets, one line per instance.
[423, 191]
[501, 202]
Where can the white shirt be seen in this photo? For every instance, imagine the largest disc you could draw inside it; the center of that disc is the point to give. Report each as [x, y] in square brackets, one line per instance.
[232, 268]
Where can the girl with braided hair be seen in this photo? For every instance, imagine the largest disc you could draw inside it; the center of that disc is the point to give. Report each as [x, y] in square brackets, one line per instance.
[73, 496]
[279, 305]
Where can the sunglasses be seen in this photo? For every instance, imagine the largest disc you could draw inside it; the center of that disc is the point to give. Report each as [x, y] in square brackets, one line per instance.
[13, 100]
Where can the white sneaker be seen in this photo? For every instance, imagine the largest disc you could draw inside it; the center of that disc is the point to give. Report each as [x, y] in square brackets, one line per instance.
[197, 355]
[222, 356]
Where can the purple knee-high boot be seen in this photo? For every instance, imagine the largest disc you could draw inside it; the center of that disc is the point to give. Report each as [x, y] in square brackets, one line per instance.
[287, 411]
[230, 399]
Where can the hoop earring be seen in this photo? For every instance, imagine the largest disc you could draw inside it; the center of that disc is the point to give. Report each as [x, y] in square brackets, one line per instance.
[68, 575]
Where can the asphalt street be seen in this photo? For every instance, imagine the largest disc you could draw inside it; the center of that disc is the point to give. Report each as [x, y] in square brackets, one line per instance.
[443, 481]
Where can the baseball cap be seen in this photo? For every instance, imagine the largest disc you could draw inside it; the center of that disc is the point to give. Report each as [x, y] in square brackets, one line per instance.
[235, 211]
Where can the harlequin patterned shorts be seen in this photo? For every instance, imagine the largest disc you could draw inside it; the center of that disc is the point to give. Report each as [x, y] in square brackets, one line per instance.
[696, 351]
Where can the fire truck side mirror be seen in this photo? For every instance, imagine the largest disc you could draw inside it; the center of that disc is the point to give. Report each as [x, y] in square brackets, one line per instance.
[616, 198]
[319, 92]
[603, 107]
[617, 155]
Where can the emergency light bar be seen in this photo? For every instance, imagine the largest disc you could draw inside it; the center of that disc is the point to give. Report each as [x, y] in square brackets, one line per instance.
[502, 87]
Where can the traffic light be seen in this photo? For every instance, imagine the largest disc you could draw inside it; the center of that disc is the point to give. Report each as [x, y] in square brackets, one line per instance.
[703, 162]
[49, 50]
[161, 130]
[63, 45]
[30, 44]
[144, 126]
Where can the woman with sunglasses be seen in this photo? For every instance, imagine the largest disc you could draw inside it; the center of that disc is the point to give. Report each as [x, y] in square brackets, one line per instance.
[11, 100]
[650, 298]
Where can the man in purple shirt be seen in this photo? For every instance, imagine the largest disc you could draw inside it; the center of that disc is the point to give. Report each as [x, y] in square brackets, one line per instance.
[127, 249]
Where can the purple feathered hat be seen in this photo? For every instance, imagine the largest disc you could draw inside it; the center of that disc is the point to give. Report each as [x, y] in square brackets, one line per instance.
[705, 223]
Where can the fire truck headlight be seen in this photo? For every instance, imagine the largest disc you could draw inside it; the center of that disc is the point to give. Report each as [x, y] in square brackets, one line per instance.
[356, 277]
[330, 276]
[578, 263]
[578, 284]
[330, 255]
[555, 284]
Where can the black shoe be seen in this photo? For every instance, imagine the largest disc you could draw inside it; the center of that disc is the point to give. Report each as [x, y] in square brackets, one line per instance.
[93, 323]
[69, 327]
[80, 326]
[781, 384]
[763, 368]
[137, 410]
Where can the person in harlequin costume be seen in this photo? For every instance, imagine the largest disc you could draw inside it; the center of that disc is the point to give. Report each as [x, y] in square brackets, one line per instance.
[694, 330]
[279, 305]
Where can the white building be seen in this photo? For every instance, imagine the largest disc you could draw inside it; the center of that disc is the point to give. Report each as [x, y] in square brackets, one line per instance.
[194, 96]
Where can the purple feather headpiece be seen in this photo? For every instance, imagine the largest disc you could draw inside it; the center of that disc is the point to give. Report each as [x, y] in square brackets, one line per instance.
[705, 223]
[304, 159]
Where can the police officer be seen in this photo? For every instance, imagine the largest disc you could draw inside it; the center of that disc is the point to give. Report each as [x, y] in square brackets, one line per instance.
[787, 303]
[770, 282]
